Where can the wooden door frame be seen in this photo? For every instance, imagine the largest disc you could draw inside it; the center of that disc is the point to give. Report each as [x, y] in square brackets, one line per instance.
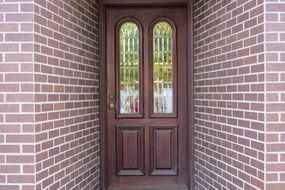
[188, 4]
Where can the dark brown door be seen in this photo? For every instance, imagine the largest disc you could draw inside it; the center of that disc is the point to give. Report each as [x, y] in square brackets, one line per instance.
[147, 98]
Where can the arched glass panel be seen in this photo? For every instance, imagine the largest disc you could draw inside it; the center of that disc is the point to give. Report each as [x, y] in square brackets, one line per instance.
[129, 48]
[162, 68]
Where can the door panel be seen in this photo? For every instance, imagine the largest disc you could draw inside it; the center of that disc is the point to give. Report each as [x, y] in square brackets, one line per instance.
[147, 98]
[130, 150]
[163, 149]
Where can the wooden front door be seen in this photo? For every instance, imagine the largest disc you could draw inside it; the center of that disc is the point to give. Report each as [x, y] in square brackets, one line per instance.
[146, 98]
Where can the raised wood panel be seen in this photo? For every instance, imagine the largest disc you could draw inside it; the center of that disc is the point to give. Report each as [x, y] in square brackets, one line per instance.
[163, 150]
[130, 150]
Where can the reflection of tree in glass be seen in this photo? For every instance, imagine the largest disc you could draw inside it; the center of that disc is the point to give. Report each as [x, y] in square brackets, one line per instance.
[162, 61]
[129, 67]
[162, 67]
[129, 54]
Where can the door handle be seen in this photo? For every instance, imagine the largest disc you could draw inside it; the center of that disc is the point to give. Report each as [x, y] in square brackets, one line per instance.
[111, 106]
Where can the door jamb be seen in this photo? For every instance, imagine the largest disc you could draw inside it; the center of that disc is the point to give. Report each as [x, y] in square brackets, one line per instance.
[102, 96]
[190, 90]
[103, 93]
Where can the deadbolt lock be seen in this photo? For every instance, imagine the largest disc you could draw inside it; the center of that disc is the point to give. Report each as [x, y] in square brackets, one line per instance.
[111, 97]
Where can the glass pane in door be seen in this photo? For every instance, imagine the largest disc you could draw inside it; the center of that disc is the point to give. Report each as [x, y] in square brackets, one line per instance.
[129, 39]
[162, 68]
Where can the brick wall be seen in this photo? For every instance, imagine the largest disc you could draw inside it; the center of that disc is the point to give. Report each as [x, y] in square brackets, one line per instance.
[275, 97]
[16, 96]
[49, 134]
[66, 86]
[229, 94]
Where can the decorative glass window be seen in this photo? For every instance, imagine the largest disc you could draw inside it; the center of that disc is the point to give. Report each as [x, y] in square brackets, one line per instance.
[163, 68]
[129, 70]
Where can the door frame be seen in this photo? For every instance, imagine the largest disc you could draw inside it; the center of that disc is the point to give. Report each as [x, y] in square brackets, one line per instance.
[103, 5]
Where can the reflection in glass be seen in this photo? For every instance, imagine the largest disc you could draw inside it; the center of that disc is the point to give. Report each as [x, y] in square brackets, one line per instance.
[163, 68]
[129, 68]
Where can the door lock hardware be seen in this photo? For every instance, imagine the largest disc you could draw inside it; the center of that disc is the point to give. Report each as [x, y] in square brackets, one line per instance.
[111, 106]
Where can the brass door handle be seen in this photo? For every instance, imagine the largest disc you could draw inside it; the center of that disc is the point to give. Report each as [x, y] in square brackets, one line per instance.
[111, 106]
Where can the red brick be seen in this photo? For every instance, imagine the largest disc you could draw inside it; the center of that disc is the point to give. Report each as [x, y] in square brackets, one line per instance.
[19, 57]
[21, 179]
[10, 169]
[19, 98]
[276, 185]
[20, 77]
[8, 8]
[19, 17]
[10, 128]
[27, 7]
[9, 47]
[20, 159]
[9, 87]
[20, 138]
[10, 187]
[18, 37]
[8, 27]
